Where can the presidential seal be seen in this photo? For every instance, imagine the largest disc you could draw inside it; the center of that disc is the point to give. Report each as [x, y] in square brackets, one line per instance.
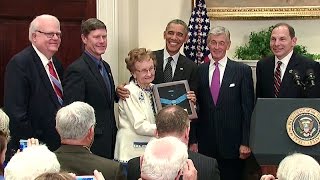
[303, 126]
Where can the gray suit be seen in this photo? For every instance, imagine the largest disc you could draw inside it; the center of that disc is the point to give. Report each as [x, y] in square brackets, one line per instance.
[79, 160]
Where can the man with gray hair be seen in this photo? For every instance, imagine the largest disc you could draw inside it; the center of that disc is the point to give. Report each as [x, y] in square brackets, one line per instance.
[174, 121]
[32, 88]
[225, 106]
[75, 125]
[31, 162]
[164, 159]
[297, 167]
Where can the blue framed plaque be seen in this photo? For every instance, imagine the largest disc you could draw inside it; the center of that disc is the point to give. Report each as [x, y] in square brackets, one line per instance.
[174, 93]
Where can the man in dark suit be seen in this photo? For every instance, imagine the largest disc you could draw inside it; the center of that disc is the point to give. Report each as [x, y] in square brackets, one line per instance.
[225, 107]
[75, 125]
[175, 34]
[173, 121]
[31, 99]
[294, 68]
[89, 79]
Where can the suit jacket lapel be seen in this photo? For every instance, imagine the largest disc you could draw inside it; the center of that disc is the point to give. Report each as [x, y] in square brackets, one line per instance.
[178, 73]
[44, 77]
[93, 68]
[110, 79]
[159, 75]
[287, 77]
[226, 80]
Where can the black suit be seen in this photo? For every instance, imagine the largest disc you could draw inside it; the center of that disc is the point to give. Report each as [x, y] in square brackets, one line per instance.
[185, 70]
[288, 88]
[30, 100]
[79, 160]
[83, 82]
[207, 167]
[222, 128]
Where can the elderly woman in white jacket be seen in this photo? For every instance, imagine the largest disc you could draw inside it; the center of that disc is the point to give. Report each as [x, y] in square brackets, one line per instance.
[137, 113]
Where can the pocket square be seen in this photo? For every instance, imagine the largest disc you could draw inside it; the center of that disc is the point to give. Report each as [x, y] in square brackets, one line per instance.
[232, 85]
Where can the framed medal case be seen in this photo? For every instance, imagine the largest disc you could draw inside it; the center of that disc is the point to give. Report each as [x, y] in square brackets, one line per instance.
[174, 93]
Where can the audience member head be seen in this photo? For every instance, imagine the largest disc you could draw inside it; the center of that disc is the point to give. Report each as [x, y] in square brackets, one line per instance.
[163, 159]
[298, 167]
[4, 123]
[30, 163]
[45, 34]
[75, 124]
[282, 40]
[94, 37]
[173, 121]
[218, 42]
[175, 34]
[55, 176]
[141, 63]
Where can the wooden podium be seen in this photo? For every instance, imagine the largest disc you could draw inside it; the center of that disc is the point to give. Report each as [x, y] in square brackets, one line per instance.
[269, 140]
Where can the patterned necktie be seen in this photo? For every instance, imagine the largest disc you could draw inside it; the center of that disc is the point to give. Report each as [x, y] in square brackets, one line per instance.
[168, 71]
[55, 82]
[215, 83]
[277, 79]
[105, 77]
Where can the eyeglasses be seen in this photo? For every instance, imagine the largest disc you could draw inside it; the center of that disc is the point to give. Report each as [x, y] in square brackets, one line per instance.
[50, 34]
[145, 71]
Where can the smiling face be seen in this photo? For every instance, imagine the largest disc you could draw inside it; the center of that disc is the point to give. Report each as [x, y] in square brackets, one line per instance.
[144, 71]
[96, 42]
[175, 35]
[281, 43]
[218, 46]
[41, 37]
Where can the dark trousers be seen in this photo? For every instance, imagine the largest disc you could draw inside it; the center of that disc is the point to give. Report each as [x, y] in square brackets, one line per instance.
[230, 169]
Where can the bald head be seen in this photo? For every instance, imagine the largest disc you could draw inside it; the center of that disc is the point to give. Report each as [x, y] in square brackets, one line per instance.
[172, 120]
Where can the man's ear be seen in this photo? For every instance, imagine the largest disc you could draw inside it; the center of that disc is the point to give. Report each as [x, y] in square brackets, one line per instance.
[156, 134]
[90, 133]
[141, 159]
[187, 132]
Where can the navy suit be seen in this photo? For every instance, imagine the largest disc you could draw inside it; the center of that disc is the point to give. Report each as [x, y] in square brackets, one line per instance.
[288, 88]
[83, 82]
[30, 100]
[223, 127]
[207, 167]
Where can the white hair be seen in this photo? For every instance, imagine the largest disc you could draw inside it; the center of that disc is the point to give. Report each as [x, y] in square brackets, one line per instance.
[164, 158]
[4, 122]
[35, 23]
[30, 163]
[219, 30]
[74, 120]
[298, 167]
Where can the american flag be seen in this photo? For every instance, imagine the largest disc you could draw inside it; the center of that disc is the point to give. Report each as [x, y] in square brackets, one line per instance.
[199, 25]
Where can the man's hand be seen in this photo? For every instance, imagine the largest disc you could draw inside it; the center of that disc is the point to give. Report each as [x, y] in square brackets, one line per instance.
[245, 152]
[192, 96]
[193, 147]
[189, 171]
[122, 92]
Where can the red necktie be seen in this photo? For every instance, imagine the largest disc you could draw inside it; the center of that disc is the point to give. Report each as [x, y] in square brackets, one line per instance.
[277, 79]
[56, 82]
